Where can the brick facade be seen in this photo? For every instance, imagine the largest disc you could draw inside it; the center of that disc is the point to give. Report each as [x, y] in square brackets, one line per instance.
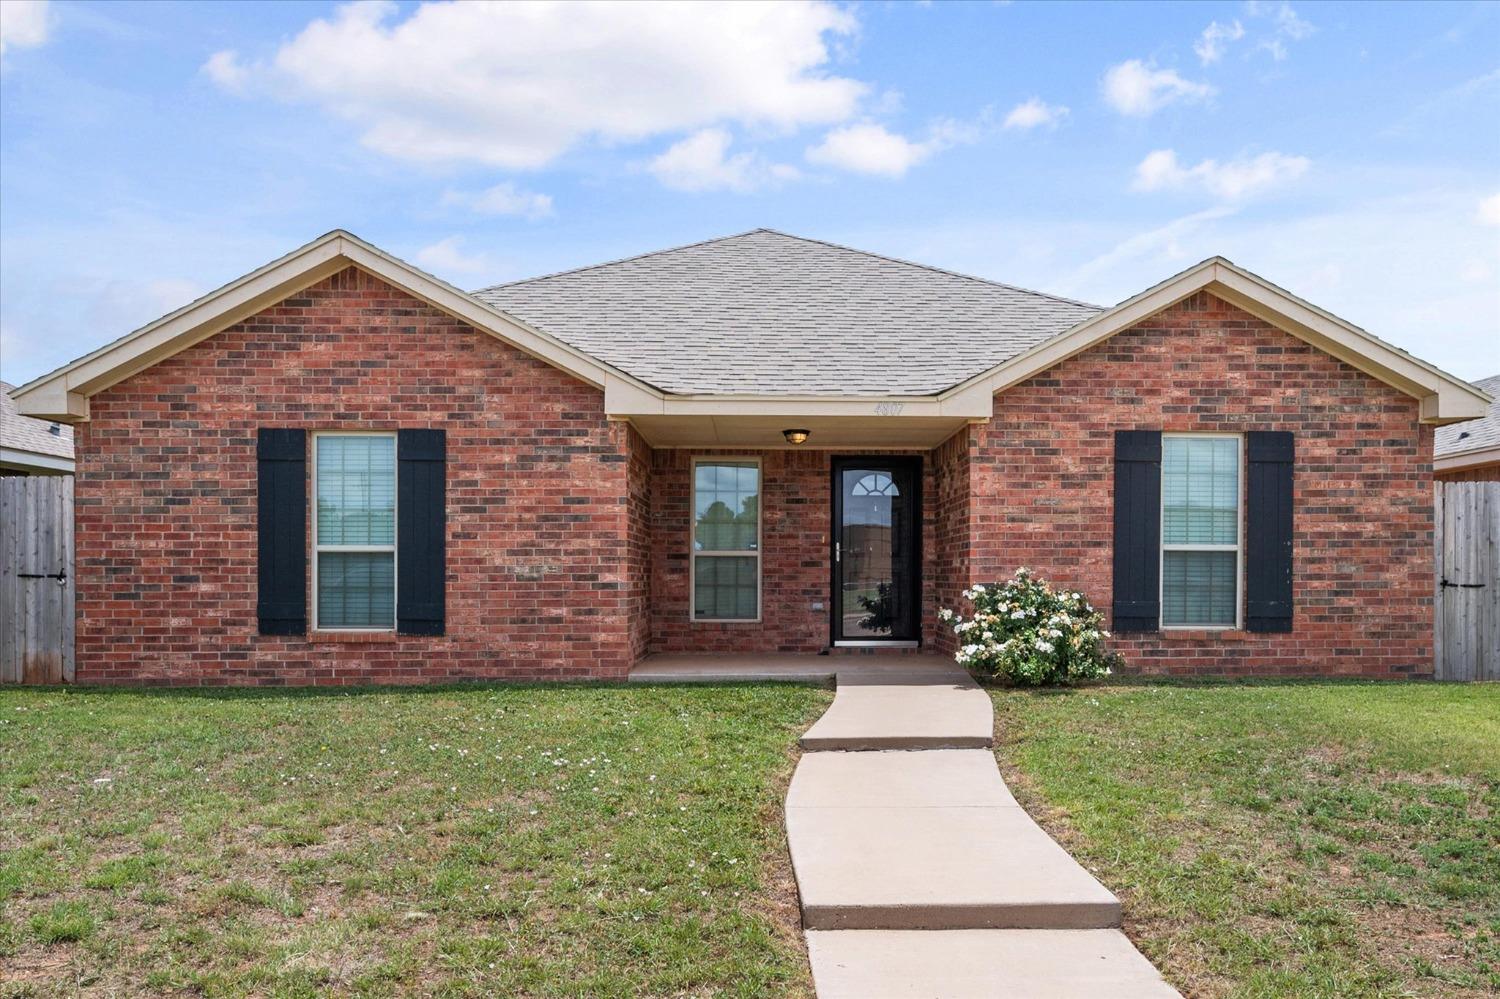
[569, 536]
[1041, 484]
[545, 574]
[796, 518]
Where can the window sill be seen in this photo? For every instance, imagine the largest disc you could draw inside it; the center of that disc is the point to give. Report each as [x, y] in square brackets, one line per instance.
[352, 637]
[1202, 635]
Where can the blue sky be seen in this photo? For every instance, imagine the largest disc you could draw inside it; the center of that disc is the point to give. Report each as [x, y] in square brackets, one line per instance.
[1348, 152]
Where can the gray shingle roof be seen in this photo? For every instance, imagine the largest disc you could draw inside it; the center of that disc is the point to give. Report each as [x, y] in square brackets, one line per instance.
[23, 433]
[768, 313]
[1472, 435]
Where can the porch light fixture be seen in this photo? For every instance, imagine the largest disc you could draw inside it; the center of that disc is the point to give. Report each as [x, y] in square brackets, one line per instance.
[795, 436]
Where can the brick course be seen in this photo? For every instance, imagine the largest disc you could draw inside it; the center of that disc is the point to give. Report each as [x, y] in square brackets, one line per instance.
[546, 558]
[1041, 483]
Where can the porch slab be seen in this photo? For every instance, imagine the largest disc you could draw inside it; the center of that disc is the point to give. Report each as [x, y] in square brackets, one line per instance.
[792, 667]
[981, 964]
[939, 707]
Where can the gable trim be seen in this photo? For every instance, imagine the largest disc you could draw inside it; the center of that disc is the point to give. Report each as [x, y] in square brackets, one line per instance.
[63, 394]
[1444, 398]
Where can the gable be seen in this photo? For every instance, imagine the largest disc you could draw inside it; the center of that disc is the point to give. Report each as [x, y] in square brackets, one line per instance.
[1205, 355]
[356, 332]
[64, 394]
[1442, 397]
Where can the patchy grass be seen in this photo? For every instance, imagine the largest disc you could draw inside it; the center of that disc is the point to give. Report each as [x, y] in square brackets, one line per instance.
[530, 841]
[1280, 839]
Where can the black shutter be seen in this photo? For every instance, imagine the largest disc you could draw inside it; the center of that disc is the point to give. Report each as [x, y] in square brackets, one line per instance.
[1268, 534]
[421, 531]
[281, 526]
[1137, 594]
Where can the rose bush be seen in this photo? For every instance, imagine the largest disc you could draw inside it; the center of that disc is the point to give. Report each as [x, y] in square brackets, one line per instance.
[1024, 631]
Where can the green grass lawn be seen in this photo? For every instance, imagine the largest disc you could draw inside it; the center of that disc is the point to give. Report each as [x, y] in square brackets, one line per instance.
[1280, 839]
[548, 841]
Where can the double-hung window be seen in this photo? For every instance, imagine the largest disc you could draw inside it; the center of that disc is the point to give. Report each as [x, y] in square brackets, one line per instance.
[726, 539]
[1200, 531]
[354, 532]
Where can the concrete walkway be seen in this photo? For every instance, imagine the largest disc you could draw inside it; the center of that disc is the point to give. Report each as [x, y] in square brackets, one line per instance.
[920, 875]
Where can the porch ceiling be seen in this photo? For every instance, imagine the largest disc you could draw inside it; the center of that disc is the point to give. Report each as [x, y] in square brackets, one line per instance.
[761, 432]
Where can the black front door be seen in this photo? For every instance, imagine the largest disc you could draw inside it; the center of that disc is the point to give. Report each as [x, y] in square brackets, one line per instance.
[877, 549]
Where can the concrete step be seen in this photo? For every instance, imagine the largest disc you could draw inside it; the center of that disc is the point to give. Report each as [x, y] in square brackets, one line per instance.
[904, 709]
[981, 964]
[928, 841]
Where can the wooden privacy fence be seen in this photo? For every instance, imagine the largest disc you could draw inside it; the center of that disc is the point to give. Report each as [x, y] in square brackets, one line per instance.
[1467, 606]
[36, 579]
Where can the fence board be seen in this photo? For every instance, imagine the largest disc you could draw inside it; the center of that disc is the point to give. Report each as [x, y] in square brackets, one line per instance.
[36, 543]
[1467, 560]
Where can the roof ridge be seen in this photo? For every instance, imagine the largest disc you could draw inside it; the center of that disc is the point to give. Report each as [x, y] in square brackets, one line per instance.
[620, 260]
[801, 239]
[931, 267]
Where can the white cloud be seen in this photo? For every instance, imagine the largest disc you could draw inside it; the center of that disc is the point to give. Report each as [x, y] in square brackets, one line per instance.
[447, 256]
[1211, 44]
[502, 199]
[24, 24]
[1035, 112]
[225, 69]
[1230, 180]
[1489, 210]
[873, 149]
[1286, 24]
[701, 162]
[1134, 88]
[516, 85]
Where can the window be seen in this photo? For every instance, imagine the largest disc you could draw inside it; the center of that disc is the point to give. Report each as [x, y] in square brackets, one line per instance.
[1200, 531]
[726, 540]
[354, 532]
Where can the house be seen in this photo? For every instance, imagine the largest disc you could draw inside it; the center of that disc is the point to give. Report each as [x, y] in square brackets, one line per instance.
[339, 469]
[1470, 451]
[29, 446]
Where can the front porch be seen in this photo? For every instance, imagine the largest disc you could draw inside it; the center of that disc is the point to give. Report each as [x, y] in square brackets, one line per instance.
[773, 555]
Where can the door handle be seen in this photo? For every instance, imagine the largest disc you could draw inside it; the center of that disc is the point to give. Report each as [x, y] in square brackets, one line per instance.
[838, 551]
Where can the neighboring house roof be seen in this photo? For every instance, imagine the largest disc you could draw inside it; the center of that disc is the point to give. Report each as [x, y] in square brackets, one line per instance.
[36, 445]
[775, 314]
[1473, 442]
[764, 326]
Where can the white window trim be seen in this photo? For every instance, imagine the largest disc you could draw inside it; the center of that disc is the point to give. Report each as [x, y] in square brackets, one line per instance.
[318, 550]
[694, 554]
[1238, 547]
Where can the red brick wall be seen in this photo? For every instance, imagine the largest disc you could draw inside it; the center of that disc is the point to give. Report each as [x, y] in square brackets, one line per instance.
[795, 521]
[546, 558]
[638, 542]
[950, 507]
[1042, 483]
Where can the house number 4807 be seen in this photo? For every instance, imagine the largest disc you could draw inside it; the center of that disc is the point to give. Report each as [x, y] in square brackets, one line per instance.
[888, 408]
